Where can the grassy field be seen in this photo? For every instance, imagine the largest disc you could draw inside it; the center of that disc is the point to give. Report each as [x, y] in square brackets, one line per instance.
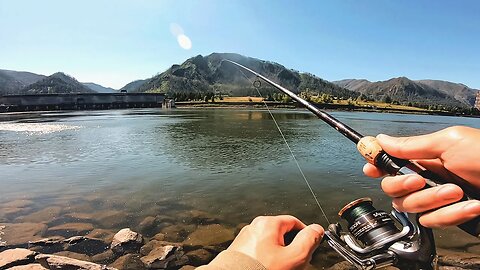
[240, 99]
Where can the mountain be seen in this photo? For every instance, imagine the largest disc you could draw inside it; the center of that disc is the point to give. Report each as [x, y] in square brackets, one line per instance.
[204, 74]
[56, 83]
[12, 81]
[404, 90]
[133, 86]
[459, 91]
[98, 88]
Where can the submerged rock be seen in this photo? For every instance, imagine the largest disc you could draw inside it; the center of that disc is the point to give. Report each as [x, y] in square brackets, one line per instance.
[74, 255]
[128, 262]
[105, 258]
[102, 234]
[85, 245]
[45, 215]
[19, 234]
[177, 233]
[70, 229]
[60, 262]
[147, 225]
[126, 241]
[14, 257]
[199, 257]
[210, 235]
[461, 260]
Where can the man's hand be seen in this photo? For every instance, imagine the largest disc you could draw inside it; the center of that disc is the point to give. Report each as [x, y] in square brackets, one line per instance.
[263, 240]
[453, 152]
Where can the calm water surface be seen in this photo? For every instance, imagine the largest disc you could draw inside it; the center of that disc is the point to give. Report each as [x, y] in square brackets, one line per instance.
[229, 163]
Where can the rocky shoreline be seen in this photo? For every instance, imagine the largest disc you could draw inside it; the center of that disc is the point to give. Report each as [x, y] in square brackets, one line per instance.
[87, 236]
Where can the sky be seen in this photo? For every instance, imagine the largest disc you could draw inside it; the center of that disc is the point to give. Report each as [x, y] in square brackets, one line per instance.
[115, 42]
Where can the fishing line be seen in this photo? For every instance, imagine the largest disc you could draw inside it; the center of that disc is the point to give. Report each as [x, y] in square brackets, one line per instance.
[256, 84]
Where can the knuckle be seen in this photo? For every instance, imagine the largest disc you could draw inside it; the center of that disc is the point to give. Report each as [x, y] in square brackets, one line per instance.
[259, 221]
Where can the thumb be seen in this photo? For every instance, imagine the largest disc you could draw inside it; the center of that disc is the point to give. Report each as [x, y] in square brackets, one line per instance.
[428, 146]
[306, 241]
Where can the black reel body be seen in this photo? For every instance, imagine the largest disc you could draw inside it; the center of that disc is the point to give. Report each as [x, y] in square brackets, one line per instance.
[376, 239]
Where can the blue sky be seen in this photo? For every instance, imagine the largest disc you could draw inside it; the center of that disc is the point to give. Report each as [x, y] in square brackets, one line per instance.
[115, 42]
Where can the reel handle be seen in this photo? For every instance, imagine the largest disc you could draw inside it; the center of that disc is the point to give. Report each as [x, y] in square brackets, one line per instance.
[374, 154]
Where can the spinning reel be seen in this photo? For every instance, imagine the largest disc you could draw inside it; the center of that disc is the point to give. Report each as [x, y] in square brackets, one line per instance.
[375, 239]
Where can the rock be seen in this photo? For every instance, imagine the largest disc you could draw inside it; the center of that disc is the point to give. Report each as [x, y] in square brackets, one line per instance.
[128, 262]
[177, 233]
[342, 266]
[159, 237]
[85, 245]
[145, 249]
[70, 229]
[105, 258]
[43, 216]
[102, 234]
[126, 240]
[17, 204]
[210, 235]
[14, 257]
[197, 217]
[164, 257]
[47, 245]
[187, 267]
[111, 219]
[458, 259]
[73, 255]
[33, 266]
[60, 262]
[147, 225]
[199, 257]
[19, 234]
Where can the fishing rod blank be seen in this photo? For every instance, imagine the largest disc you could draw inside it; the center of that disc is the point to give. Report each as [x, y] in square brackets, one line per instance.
[371, 150]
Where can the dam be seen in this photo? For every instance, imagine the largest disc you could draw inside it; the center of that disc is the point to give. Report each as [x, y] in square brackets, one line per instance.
[81, 101]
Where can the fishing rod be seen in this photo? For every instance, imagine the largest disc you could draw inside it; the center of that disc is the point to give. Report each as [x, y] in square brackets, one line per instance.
[372, 239]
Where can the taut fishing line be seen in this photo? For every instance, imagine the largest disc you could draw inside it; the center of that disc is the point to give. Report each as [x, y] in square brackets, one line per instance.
[256, 84]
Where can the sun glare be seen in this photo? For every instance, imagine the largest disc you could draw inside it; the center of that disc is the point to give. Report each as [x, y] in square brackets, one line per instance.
[184, 42]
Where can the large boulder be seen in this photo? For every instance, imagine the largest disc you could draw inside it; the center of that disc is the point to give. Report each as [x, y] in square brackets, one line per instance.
[126, 241]
[14, 257]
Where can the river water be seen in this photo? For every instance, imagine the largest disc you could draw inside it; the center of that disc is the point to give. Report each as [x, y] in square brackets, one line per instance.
[229, 163]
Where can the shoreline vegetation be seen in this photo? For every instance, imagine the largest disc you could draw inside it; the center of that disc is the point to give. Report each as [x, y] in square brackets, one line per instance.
[340, 105]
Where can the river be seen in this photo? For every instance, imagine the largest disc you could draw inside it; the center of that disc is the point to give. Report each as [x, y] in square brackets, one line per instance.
[230, 164]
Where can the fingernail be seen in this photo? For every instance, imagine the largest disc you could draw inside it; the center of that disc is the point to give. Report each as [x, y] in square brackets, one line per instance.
[449, 192]
[414, 182]
[317, 228]
[473, 207]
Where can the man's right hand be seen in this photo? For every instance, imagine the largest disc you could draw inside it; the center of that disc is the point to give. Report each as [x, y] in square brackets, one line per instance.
[453, 152]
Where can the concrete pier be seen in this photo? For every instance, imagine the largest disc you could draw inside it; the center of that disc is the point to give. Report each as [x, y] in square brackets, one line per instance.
[81, 101]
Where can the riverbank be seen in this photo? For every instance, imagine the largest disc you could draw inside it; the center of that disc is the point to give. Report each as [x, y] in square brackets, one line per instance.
[327, 106]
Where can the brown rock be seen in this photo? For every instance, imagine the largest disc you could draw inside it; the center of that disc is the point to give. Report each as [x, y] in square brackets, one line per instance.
[102, 234]
[187, 267]
[159, 237]
[60, 262]
[145, 249]
[47, 245]
[70, 229]
[17, 204]
[199, 257]
[14, 257]
[177, 233]
[210, 235]
[147, 225]
[43, 216]
[74, 255]
[33, 266]
[19, 234]
[111, 219]
[165, 256]
[458, 259]
[126, 240]
[105, 257]
[128, 262]
[85, 245]
[342, 266]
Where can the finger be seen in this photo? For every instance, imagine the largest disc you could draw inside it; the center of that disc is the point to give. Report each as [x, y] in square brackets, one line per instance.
[451, 215]
[428, 199]
[401, 185]
[417, 147]
[372, 171]
[306, 241]
[277, 226]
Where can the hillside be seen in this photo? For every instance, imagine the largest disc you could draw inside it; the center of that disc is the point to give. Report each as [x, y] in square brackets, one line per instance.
[133, 86]
[200, 75]
[406, 91]
[55, 84]
[12, 81]
[99, 88]
[459, 91]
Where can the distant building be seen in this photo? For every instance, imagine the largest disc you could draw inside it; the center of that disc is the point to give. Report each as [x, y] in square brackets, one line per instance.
[477, 101]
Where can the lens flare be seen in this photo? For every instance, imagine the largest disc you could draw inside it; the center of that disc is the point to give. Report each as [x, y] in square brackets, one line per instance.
[184, 42]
